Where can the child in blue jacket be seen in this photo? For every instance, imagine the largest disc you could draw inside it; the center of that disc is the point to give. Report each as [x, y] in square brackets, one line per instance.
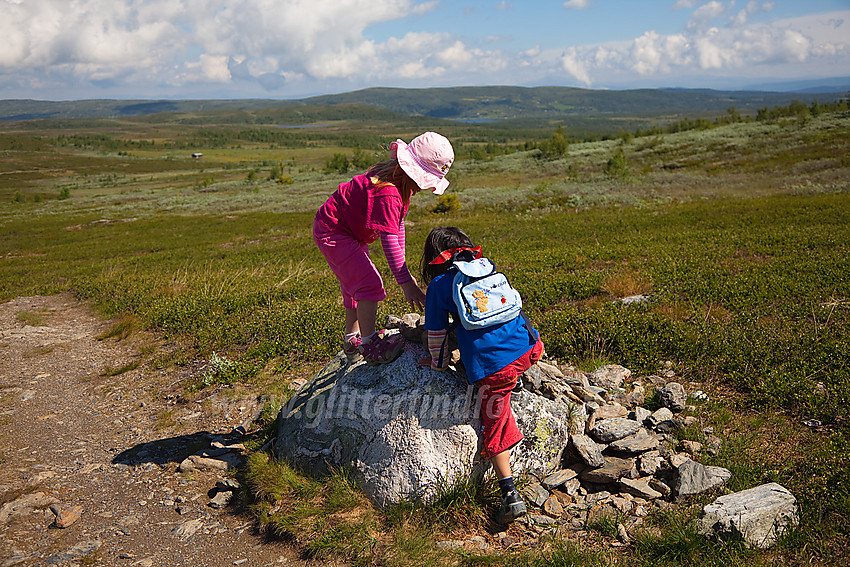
[494, 357]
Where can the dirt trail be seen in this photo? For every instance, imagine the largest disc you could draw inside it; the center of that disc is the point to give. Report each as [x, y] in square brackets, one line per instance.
[72, 436]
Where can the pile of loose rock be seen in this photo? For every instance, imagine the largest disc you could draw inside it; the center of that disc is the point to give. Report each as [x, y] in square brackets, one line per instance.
[622, 459]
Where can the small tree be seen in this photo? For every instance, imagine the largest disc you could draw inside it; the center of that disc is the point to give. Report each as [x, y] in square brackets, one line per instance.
[360, 159]
[337, 163]
[556, 146]
[617, 165]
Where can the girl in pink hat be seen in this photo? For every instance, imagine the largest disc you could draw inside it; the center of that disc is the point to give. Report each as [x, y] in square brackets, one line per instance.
[371, 206]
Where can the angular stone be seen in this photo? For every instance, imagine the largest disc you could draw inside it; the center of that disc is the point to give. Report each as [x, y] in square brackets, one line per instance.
[660, 486]
[662, 414]
[714, 444]
[541, 520]
[550, 369]
[624, 505]
[609, 376]
[572, 486]
[536, 494]
[638, 443]
[609, 430]
[220, 500]
[608, 411]
[694, 478]
[639, 488]
[576, 377]
[649, 462]
[66, 515]
[758, 516]
[81, 549]
[586, 395]
[641, 414]
[636, 397]
[561, 476]
[221, 461]
[553, 507]
[187, 529]
[613, 470]
[587, 450]
[673, 396]
[24, 504]
[548, 381]
[690, 447]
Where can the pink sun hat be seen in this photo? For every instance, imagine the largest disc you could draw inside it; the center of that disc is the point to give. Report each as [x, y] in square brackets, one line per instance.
[426, 159]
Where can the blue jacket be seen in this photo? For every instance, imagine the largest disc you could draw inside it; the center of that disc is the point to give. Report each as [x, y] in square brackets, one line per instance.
[483, 351]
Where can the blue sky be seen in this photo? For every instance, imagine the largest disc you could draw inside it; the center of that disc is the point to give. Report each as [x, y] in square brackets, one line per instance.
[61, 50]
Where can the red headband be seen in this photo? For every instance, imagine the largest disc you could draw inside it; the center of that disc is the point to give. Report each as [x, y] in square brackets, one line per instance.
[447, 255]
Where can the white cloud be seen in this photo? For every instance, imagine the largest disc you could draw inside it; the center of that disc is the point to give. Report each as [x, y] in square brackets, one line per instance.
[652, 53]
[284, 45]
[739, 48]
[702, 16]
[575, 66]
[684, 4]
[456, 55]
[230, 39]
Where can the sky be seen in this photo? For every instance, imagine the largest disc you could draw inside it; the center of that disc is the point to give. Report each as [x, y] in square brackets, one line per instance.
[284, 49]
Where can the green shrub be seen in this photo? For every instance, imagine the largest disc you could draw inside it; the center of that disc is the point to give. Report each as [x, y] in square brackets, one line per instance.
[337, 163]
[446, 203]
[556, 146]
[617, 165]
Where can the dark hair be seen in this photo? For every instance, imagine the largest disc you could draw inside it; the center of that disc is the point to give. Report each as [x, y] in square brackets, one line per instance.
[390, 172]
[440, 239]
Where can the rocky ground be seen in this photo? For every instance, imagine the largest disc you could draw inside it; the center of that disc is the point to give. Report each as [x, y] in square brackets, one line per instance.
[137, 478]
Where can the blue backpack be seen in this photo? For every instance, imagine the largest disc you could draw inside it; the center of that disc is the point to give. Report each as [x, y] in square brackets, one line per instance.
[483, 296]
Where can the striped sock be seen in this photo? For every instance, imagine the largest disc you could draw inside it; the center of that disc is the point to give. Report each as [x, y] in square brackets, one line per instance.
[507, 485]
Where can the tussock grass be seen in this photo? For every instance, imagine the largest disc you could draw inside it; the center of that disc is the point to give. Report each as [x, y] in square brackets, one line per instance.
[121, 329]
[110, 371]
[31, 318]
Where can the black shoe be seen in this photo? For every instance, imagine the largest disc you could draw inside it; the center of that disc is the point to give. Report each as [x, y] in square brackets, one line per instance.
[518, 385]
[511, 508]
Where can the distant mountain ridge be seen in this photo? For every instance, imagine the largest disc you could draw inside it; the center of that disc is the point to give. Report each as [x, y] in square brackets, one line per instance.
[454, 103]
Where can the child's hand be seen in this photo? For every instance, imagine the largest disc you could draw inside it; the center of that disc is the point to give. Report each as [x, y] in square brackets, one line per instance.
[414, 295]
[426, 362]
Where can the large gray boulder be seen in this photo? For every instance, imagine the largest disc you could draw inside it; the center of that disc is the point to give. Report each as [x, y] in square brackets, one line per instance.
[408, 432]
[758, 516]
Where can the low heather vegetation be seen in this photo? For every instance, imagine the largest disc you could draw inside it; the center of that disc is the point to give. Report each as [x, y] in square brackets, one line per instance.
[739, 233]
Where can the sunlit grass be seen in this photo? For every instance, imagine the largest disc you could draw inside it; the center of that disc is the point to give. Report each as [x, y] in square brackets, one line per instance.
[740, 235]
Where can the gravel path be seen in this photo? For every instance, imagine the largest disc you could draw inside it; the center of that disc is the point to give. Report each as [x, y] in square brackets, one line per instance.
[105, 452]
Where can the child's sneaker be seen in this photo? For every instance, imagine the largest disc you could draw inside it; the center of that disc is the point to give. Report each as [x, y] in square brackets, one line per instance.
[511, 508]
[381, 350]
[351, 347]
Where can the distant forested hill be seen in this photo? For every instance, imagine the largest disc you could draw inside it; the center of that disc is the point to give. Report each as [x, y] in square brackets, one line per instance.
[458, 103]
[500, 103]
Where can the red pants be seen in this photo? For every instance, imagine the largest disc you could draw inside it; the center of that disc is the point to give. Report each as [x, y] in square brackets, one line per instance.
[500, 431]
